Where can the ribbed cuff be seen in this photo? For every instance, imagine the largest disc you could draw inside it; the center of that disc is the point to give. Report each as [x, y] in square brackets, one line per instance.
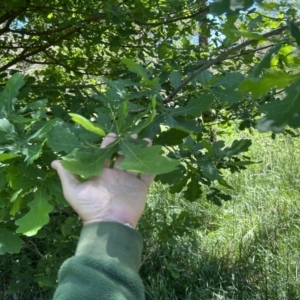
[111, 240]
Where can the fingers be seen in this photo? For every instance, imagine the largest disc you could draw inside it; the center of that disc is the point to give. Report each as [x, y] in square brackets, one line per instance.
[110, 138]
[148, 179]
[67, 179]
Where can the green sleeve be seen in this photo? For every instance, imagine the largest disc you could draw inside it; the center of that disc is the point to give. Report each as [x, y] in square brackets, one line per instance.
[105, 265]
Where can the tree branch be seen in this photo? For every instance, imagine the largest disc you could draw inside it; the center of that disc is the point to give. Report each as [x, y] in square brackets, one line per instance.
[139, 22]
[223, 56]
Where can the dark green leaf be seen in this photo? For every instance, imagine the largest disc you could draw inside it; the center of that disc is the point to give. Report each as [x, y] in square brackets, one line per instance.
[194, 107]
[9, 94]
[193, 191]
[170, 137]
[295, 32]
[38, 214]
[62, 139]
[209, 170]
[175, 79]
[265, 63]
[3, 180]
[9, 242]
[7, 132]
[33, 152]
[173, 177]
[282, 112]
[237, 147]
[181, 123]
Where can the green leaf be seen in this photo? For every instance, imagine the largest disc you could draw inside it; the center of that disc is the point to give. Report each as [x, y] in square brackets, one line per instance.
[250, 35]
[295, 32]
[144, 123]
[173, 177]
[55, 189]
[88, 163]
[3, 180]
[9, 94]
[9, 242]
[147, 160]
[237, 147]
[7, 132]
[6, 156]
[181, 123]
[33, 152]
[175, 79]
[62, 139]
[194, 107]
[229, 95]
[134, 67]
[170, 137]
[43, 130]
[265, 63]
[164, 50]
[177, 188]
[38, 215]
[87, 124]
[216, 196]
[209, 170]
[193, 191]
[282, 112]
[204, 78]
[122, 115]
[263, 85]
[229, 80]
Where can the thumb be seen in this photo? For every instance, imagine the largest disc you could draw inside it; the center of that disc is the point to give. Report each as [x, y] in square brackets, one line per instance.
[67, 179]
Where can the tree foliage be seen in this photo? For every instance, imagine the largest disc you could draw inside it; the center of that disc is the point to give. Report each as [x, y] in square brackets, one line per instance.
[73, 71]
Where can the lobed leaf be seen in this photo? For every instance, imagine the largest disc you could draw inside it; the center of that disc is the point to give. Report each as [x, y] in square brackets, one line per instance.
[38, 215]
[147, 160]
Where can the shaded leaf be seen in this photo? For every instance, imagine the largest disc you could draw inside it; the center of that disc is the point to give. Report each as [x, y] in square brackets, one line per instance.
[209, 170]
[134, 67]
[7, 132]
[9, 94]
[193, 191]
[170, 137]
[175, 79]
[282, 112]
[9, 242]
[271, 79]
[62, 139]
[194, 107]
[38, 215]
[295, 32]
[173, 177]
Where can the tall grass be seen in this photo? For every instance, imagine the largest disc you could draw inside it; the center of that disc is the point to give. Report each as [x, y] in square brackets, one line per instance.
[247, 249]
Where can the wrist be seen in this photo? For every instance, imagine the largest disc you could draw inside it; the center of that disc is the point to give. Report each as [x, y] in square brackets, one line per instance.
[124, 222]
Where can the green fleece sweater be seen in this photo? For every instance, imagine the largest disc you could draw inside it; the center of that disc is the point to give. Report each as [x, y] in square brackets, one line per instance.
[105, 265]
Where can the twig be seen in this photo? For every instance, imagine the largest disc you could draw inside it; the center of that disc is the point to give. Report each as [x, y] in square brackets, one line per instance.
[223, 56]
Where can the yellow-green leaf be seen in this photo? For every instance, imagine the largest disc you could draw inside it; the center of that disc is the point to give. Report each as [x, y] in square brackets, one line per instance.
[88, 125]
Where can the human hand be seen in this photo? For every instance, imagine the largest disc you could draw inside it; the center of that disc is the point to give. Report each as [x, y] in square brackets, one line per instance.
[114, 195]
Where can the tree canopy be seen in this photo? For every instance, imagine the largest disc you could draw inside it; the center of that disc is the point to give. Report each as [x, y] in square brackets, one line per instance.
[176, 71]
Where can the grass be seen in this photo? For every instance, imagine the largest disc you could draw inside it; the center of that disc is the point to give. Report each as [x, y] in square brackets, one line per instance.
[247, 249]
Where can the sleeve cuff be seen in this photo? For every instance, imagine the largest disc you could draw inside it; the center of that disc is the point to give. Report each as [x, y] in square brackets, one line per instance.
[111, 240]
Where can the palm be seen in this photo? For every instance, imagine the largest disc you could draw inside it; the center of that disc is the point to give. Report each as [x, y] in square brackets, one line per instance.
[115, 195]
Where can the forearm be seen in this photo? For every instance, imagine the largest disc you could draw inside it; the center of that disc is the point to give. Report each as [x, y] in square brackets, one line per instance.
[105, 265]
